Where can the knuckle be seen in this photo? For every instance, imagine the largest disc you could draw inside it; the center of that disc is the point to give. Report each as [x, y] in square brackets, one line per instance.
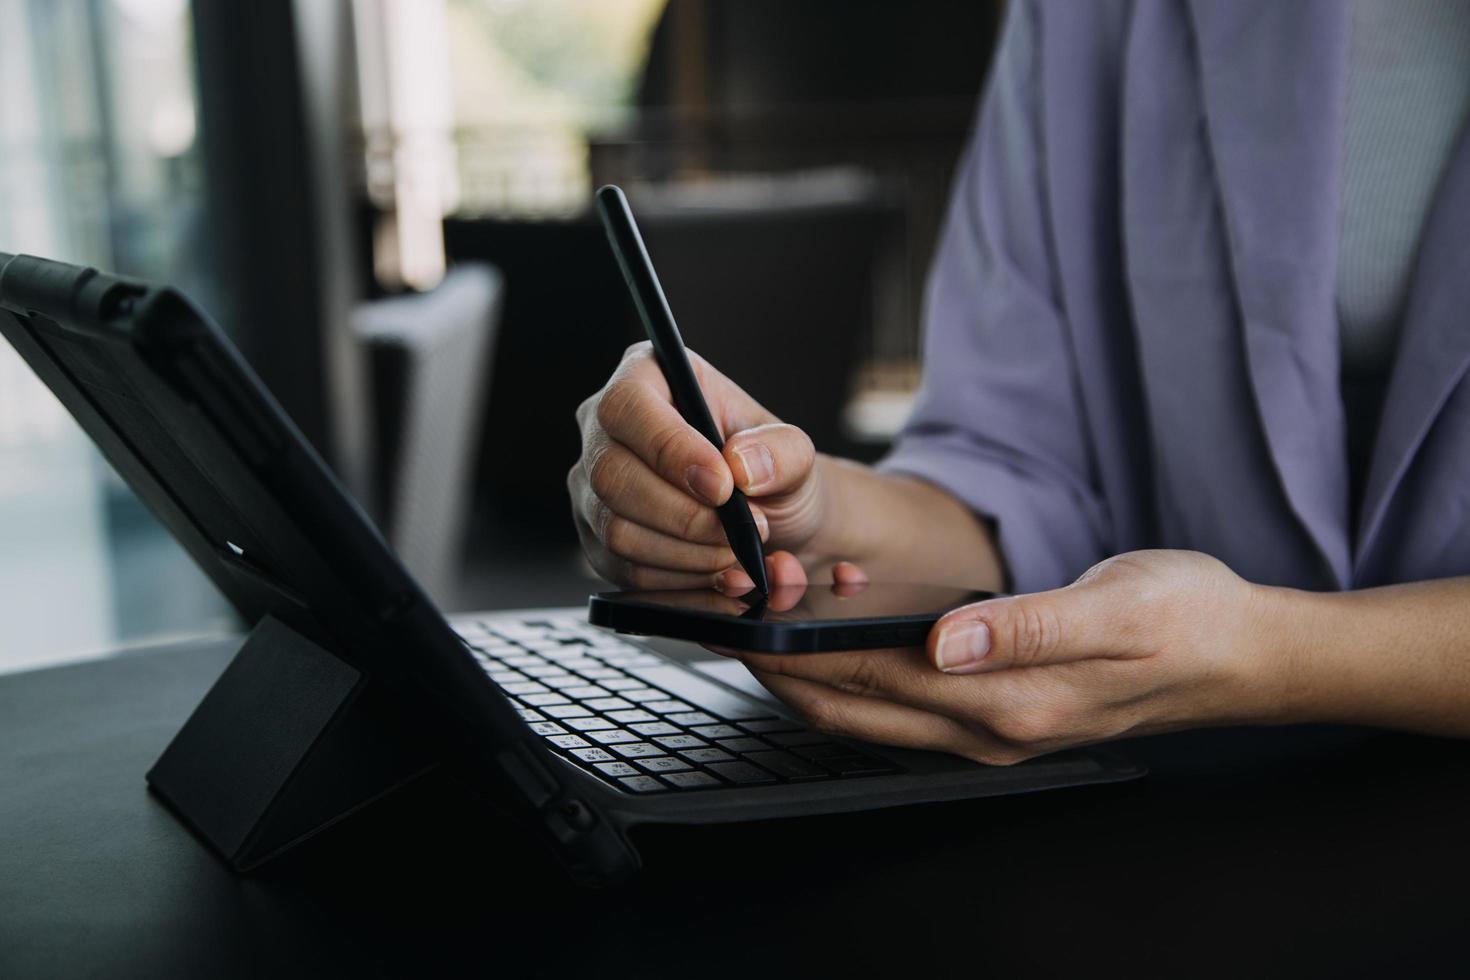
[637, 350]
[665, 445]
[605, 563]
[588, 409]
[713, 559]
[599, 519]
[618, 399]
[825, 715]
[864, 676]
[692, 525]
[618, 536]
[1035, 633]
[1027, 725]
[607, 473]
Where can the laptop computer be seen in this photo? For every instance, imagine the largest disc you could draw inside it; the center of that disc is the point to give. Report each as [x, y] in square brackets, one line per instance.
[582, 732]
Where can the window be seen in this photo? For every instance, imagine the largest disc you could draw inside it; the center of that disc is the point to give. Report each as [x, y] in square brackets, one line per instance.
[97, 166]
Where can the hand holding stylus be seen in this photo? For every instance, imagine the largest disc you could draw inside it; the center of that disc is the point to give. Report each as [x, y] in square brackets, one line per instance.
[645, 488]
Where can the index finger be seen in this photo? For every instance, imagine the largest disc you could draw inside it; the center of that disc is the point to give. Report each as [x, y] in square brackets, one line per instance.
[637, 413]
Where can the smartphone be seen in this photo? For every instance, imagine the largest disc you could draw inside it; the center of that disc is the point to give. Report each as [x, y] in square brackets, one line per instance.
[793, 619]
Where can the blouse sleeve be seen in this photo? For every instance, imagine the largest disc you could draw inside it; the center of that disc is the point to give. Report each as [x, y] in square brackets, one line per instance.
[998, 421]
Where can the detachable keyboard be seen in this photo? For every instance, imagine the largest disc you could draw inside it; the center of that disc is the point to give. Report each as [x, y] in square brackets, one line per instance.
[642, 722]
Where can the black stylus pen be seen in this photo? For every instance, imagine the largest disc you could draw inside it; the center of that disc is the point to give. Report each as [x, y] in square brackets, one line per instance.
[668, 350]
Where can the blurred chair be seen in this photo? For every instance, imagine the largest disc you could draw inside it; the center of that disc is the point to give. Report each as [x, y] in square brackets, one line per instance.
[429, 356]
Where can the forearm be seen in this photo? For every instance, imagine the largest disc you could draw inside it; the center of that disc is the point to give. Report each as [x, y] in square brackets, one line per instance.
[901, 529]
[1395, 657]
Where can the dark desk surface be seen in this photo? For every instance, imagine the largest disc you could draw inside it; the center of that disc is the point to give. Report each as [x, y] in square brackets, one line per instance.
[1308, 852]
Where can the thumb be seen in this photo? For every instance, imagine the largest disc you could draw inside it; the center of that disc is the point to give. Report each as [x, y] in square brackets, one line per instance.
[1063, 625]
[770, 459]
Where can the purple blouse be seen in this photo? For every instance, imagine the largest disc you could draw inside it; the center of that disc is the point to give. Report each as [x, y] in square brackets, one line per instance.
[1131, 338]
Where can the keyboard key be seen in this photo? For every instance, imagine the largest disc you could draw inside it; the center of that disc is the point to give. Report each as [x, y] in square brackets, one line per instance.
[707, 755]
[541, 700]
[621, 684]
[717, 731]
[589, 724]
[581, 663]
[586, 691]
[568, 741]
[632, 715]
[652, 727]
[692, 780]
[528, 715]
[593, 755]
[524, 687]
[788, 739]
[644, 694]
[712, 698]
[522, 660]
[742, 744]
[601, 674]
[638, 750]
[544, 671]
[564, 682]
[763, 725]
[613, 736]
[680, 742]
[666, 707]
[642, 784]
[741, 772]
[548, 728]
[608, 704]
[787, 765]
[504, 677]
[616, 769]
[567, 711]
[664, 763]
[560, 655]
[692, 718]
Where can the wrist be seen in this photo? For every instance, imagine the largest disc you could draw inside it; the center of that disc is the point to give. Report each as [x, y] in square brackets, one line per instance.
[1310, 651]
[1277, 661]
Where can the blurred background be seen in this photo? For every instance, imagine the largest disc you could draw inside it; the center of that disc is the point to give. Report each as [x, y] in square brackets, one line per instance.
[384, 203]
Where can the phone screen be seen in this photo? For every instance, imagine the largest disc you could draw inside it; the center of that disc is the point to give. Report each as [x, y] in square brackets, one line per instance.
[813, 603]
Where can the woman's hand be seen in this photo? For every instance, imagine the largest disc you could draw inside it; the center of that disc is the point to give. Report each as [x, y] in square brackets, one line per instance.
[645, 488]
[1144, 642]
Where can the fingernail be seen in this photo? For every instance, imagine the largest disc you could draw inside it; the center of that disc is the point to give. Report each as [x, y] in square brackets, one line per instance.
[962, 647]
[733, 582]
[760, 466]
[704, 483]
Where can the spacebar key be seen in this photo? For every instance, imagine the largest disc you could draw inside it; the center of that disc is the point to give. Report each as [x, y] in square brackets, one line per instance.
[687, 687]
